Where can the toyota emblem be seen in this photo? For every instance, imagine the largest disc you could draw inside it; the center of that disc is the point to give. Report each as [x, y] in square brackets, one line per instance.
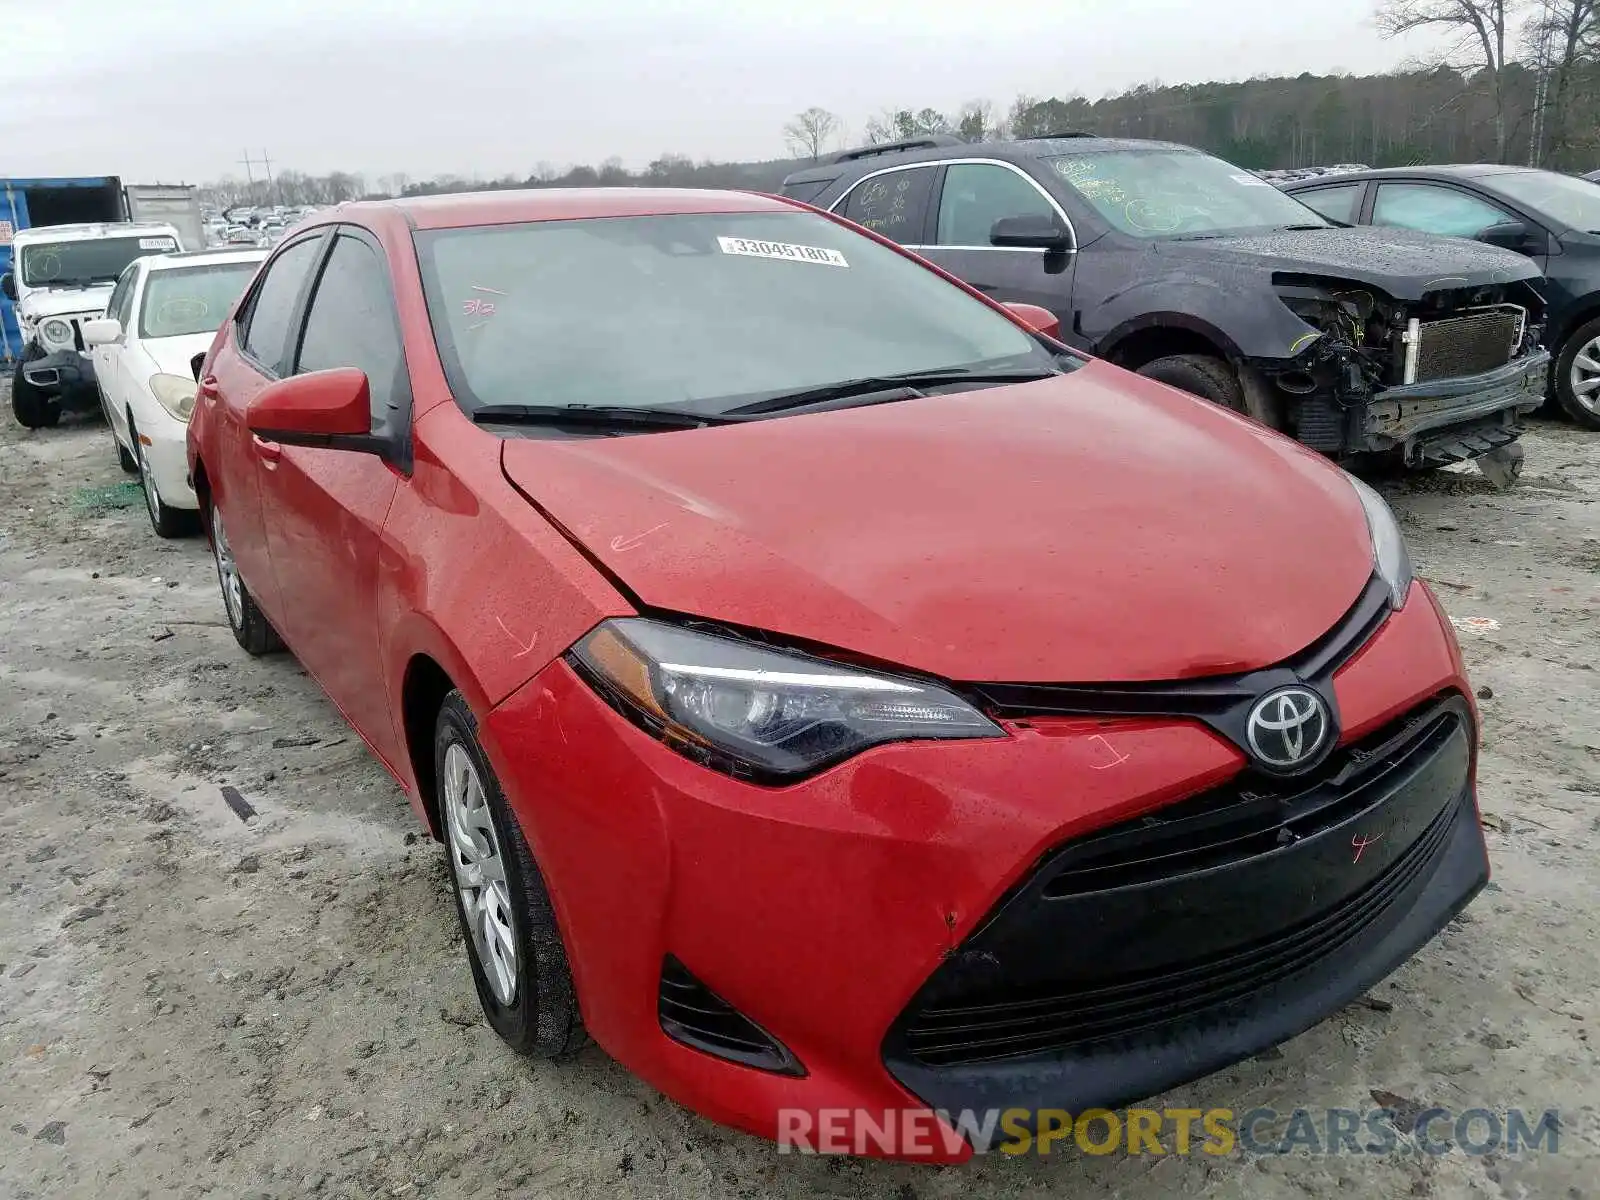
[1287, 728]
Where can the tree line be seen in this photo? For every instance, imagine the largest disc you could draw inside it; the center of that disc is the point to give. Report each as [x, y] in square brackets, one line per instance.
[1515, 81]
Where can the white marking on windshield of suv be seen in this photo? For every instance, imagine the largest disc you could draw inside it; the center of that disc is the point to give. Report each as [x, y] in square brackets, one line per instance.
[784, 250]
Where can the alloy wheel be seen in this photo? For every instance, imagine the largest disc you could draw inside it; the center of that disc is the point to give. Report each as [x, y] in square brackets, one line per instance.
[1585, 376]
[479, 869]
[227, 571]
[152, 497]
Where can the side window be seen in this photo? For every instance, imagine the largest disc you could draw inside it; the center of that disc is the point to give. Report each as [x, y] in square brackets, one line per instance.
[976, 195]
[1335, 203]
[1434, 209]
[266, 332]
[120, 304]
[351, 323]
[894, 205]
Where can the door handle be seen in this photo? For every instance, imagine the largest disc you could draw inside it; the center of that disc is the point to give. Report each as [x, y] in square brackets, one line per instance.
[266, 451]
[208, 387]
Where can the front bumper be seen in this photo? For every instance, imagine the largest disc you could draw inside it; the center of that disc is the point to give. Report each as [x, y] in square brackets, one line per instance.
[1421, 417]
[822, 910]
[66, 376]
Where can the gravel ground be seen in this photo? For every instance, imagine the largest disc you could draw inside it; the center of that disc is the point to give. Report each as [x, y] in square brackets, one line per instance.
[192, 1005]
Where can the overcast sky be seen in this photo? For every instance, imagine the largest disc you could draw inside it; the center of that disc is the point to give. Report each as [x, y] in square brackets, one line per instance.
[178, 90]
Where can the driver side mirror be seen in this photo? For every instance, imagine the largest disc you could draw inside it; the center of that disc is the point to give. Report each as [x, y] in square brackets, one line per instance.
[102, 331]
[330, 409]
[1033, 232]
[1040, 320]
[1510, 235]
[8, 286]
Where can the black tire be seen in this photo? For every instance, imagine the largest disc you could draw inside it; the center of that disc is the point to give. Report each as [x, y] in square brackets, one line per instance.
[1199, 375]
[542, 1018]
[125, 458]
[29, 404]
[168, 522]
[251, 629]
[1566, 397]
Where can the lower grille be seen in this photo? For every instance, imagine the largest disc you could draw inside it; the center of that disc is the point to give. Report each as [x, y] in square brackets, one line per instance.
[1469, 344]
[1198, 906]
[693, 1014]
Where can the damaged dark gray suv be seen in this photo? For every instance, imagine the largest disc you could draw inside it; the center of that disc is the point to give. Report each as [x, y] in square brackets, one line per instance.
[1359, 342]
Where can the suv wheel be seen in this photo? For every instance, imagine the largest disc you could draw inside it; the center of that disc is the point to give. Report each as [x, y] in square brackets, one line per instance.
[1199, 375]
[1578, 375]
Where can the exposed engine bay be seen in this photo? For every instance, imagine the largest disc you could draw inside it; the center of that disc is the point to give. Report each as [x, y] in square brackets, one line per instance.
[1440, 380]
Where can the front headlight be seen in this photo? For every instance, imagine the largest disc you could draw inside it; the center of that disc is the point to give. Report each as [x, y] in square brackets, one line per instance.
[57, 331]
[1389, 556]
[755, 712]
[175, 393]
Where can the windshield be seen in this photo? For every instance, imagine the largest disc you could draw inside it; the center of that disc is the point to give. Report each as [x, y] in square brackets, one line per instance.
[1574, 203]
[1179, 193]
[98, 261]
[700, 310]
[185, 300]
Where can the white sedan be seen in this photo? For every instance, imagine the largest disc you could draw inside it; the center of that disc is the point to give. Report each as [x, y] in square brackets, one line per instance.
[163, 314]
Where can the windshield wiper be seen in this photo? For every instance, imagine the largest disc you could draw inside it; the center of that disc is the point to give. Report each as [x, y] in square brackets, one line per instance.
[1299, 228]
[882, 389]
[593, 415]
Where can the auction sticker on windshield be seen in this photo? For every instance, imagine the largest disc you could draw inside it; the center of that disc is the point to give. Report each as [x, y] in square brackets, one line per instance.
[788, 250]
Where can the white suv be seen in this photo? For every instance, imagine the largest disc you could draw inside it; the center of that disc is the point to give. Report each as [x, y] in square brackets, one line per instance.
[62, 276]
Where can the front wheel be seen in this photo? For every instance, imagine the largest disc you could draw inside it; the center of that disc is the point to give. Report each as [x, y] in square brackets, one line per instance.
[168, 522]
[519, 963]
[1578, 375]
[251, 629]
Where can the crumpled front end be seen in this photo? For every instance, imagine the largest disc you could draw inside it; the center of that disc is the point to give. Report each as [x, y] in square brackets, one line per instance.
[66, 376]
[1439, 380]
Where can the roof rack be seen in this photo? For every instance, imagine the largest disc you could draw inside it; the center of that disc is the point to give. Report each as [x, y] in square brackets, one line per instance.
[1065, 133]
[932, 141]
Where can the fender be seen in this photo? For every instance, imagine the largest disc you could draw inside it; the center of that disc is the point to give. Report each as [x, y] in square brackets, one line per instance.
[1169, 320]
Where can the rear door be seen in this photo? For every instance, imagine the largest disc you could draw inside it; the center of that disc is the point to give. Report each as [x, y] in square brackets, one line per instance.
[256, 353]
[1339, 202]
[324, 509]
[972, 197]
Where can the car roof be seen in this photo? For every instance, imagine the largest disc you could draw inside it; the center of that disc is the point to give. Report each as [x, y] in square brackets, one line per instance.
[84, 231]
[1440, 171]
[869, 159]
[188, 258]
[513, 206]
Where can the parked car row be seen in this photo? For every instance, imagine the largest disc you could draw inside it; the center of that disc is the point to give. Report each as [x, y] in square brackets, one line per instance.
[1365, 344]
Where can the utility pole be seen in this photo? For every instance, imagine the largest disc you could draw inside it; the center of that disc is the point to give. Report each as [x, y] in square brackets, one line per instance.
[250, 176]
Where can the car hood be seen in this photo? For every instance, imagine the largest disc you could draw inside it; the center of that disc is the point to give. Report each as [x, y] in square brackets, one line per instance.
[1089, 528]
[1402, 262]
[55, 302]
[172, 354]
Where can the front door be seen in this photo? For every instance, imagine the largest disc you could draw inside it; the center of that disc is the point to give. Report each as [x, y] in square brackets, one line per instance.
[976, 195]
[260, 341]
[324, 509]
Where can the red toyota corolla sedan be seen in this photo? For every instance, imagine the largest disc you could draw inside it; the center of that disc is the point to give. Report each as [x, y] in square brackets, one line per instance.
[832, 692]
